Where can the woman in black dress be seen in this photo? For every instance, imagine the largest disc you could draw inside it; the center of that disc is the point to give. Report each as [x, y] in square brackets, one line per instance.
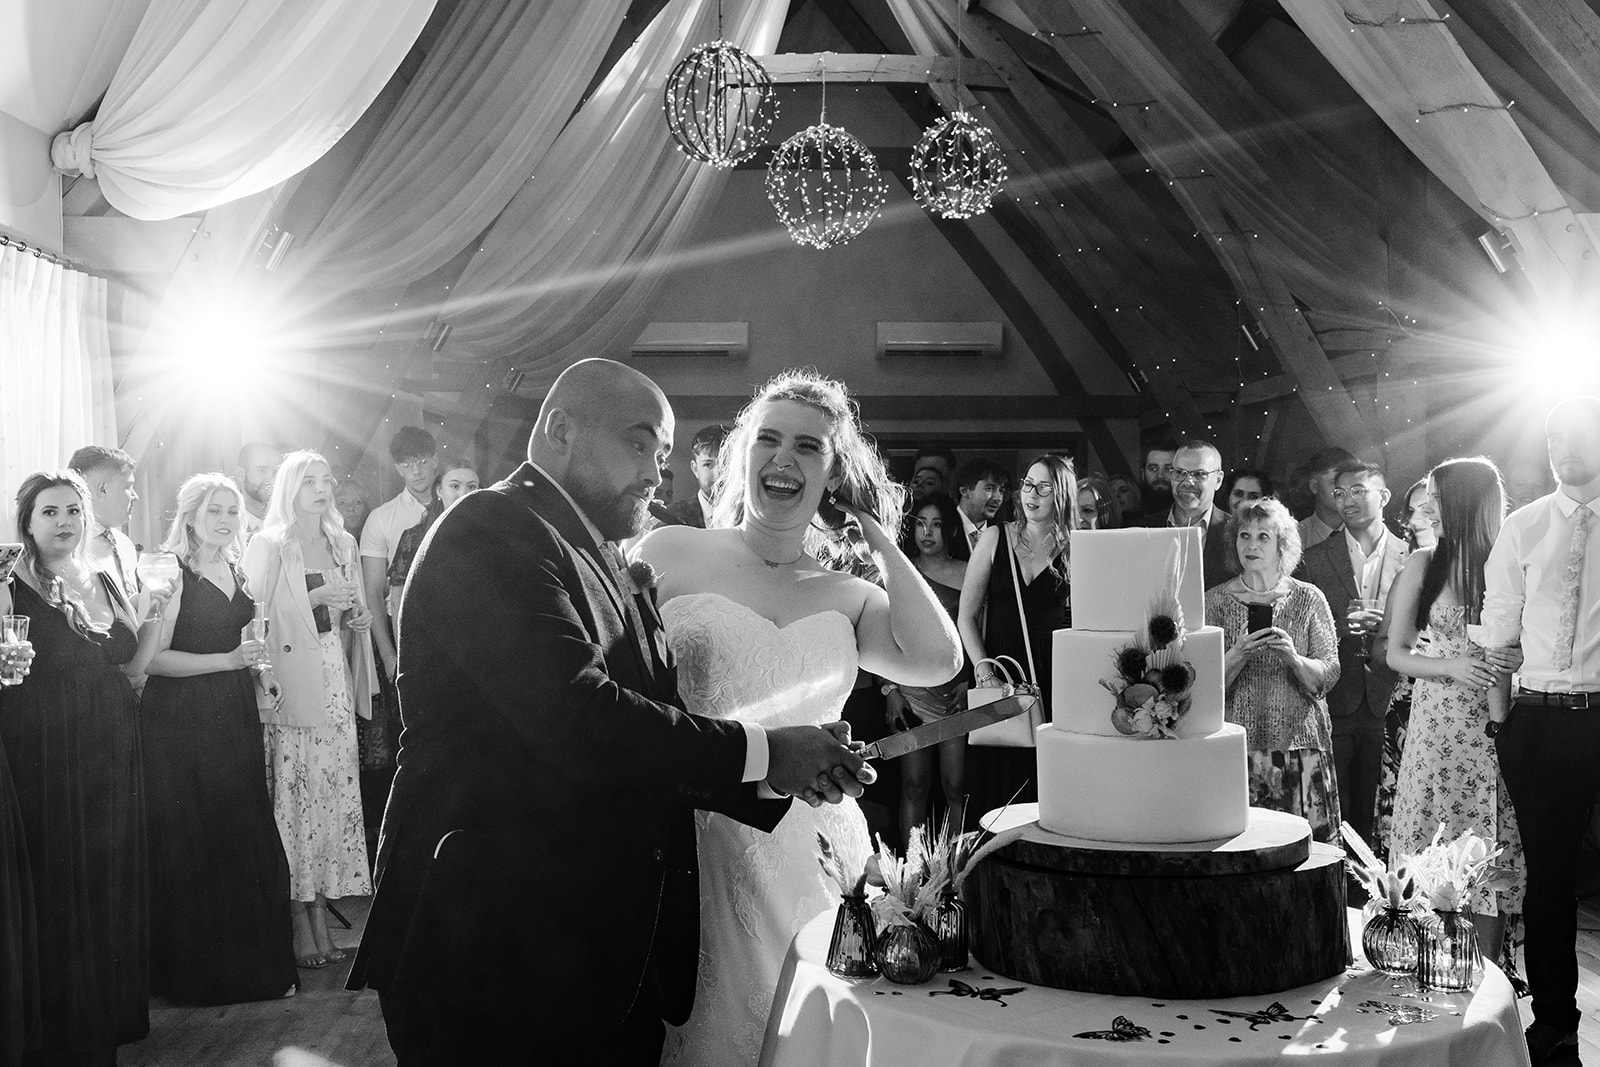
[219, 884]
[19, 947]
[1036, 543]
[71, 735]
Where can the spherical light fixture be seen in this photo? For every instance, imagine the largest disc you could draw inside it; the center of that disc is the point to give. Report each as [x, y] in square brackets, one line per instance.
[825, 186]
[957, 168]
[719, 104]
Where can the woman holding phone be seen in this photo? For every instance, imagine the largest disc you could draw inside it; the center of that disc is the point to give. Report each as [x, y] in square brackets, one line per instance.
[301, 568]
[1282, 657]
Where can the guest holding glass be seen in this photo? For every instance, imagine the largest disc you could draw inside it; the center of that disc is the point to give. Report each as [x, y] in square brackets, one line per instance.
[19, 941]
[1014, 598]
[71, 736]
[936, 544]
[302, 567]
[219, 884]
[1449, 772]
[1281, 659]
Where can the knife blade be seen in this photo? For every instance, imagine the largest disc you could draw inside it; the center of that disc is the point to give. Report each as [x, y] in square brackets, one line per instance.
[958, 725]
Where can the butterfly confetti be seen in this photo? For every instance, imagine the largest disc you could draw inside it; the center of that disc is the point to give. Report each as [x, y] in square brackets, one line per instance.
[1273, 1013]
[959, 988]
[1399, 1014]
[1122, 1029]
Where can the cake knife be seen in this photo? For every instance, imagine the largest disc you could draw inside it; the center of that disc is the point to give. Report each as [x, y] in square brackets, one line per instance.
[957, 725]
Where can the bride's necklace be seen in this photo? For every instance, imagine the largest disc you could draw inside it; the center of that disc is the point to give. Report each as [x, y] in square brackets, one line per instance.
[773, 564]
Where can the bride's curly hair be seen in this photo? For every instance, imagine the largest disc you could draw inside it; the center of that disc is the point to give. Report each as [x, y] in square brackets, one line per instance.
[863, 477]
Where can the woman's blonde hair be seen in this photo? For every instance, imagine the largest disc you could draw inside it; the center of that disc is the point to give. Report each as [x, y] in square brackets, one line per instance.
[51, 587]
[194, 496]
[1276, 518]
[286, 486]
[1063, 499]
[863, 477]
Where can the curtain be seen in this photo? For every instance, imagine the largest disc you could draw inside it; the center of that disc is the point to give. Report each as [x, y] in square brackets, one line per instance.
[218, 99]
[55, 368]
[547, 291]
[486, 105]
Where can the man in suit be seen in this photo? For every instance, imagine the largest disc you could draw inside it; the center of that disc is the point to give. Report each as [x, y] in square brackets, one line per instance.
[707, 447]
[982, 485]
[537, 882]
[1360, 561]
[1196, 477]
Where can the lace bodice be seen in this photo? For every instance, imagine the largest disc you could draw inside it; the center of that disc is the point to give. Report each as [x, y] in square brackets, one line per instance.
[733, 663]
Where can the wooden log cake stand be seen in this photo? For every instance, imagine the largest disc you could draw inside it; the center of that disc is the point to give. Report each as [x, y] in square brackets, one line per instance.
[1258, 913]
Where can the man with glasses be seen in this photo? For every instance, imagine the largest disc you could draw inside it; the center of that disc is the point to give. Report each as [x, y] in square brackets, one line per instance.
[1196, 477]
[1155, 478]
[1354, 568]
[414, 453]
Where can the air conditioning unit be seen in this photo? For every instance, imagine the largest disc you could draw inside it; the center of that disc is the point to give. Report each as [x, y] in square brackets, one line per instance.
[940, 338]
[719, 339]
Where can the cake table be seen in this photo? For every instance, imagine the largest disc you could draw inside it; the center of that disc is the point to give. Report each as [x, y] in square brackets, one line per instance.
[974, 1018]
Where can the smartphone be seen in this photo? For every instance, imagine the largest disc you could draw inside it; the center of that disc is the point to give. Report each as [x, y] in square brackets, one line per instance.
[9, 554]
[1260, 617]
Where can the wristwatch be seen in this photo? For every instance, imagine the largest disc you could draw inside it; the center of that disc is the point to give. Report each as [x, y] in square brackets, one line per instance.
[1492, 728]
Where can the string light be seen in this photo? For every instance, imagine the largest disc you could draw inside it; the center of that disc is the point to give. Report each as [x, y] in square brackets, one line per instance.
[957, 168]
[719, 103]
[824, 184]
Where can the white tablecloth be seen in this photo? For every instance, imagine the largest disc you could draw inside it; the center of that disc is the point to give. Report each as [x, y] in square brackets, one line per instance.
[974, 1018]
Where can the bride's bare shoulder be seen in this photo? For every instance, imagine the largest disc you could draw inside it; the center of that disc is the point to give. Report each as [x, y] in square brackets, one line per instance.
[669, 544]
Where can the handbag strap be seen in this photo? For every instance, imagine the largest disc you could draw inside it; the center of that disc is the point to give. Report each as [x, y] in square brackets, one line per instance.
[1022, 615]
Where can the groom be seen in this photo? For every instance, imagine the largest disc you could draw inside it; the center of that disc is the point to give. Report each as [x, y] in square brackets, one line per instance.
[537, 885]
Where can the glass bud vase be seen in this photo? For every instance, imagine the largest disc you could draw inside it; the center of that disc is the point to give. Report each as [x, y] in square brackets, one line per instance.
[908, 954]
[1448, 960]
[950, 930]
[1389, 939]
[853, 951]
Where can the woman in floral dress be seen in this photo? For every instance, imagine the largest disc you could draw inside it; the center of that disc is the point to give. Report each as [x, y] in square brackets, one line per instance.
[300, 567]
[1449, 773]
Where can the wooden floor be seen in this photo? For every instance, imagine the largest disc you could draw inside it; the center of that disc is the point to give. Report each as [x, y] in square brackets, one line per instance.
[325, 1026]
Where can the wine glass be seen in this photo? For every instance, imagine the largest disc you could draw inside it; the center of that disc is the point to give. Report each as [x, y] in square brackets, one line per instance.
[13, 632]
[157, 569]
[1357, 614]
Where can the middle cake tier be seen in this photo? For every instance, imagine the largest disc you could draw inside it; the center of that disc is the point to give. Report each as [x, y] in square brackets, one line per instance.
[1081, 659]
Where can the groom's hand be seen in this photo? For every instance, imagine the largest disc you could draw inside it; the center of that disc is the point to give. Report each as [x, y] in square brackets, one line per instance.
[811, 763]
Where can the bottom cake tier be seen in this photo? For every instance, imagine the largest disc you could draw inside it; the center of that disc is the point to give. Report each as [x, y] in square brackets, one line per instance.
[1126, 789]
[1258, 914]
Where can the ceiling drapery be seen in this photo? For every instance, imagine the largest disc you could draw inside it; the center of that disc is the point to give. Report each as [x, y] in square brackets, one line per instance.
[544, 290]
[469, 130]
[215, 101]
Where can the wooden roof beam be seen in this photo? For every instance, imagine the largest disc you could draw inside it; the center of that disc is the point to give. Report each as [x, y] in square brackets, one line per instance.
[808, 68]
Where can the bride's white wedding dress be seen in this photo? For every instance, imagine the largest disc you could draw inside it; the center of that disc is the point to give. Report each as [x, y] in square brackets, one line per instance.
[757, 890]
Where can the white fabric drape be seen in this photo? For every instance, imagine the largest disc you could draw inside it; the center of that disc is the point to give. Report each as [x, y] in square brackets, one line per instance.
[547, 289]
[486, 105]
[218, 99]
[55, 368]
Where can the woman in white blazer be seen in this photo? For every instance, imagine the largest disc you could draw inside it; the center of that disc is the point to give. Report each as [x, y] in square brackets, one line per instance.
[300, 567]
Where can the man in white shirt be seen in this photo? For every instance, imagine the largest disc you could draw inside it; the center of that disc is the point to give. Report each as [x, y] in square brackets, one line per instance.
[982, 485]
[415, 456]
[1196, 477]
[258, 466]
[706, 447]
[1360, 562]
[109, 474]
[1328, 514]
[1542, 584]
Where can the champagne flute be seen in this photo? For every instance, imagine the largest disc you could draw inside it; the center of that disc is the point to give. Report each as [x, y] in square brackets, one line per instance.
[13, 632]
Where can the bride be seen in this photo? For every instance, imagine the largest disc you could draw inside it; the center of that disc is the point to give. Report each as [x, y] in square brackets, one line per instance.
[765, 633]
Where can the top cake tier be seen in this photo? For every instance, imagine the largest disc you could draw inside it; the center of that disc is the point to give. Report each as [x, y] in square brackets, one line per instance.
[1116, 574]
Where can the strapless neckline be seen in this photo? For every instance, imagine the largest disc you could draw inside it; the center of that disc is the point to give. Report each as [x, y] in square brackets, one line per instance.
[753, 613]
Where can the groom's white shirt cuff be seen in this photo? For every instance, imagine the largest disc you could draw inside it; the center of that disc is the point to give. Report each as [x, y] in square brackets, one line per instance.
[756, 756]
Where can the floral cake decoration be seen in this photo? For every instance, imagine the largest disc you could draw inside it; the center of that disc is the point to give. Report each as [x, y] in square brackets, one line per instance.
[1152, 682]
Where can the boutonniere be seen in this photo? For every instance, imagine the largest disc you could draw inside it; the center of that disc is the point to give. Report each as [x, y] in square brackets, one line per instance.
[643, 576]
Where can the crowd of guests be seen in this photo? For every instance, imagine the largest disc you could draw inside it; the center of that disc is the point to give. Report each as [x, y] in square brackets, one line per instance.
[140, 853]
[181, 784]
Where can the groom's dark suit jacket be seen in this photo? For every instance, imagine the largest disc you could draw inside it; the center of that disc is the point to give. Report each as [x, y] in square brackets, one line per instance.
[538, 850]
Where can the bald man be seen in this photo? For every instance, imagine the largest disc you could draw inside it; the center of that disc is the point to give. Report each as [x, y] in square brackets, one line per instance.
[537, 870]
[258, 466]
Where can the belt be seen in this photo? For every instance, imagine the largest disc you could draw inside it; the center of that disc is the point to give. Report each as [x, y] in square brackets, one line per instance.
[1529, 698]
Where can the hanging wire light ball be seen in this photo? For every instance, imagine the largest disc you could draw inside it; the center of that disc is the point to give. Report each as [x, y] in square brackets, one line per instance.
[957, 169]
[719, 104]
[825, 186]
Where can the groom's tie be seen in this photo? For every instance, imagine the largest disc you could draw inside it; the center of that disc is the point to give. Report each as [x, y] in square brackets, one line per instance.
[1567, 625]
